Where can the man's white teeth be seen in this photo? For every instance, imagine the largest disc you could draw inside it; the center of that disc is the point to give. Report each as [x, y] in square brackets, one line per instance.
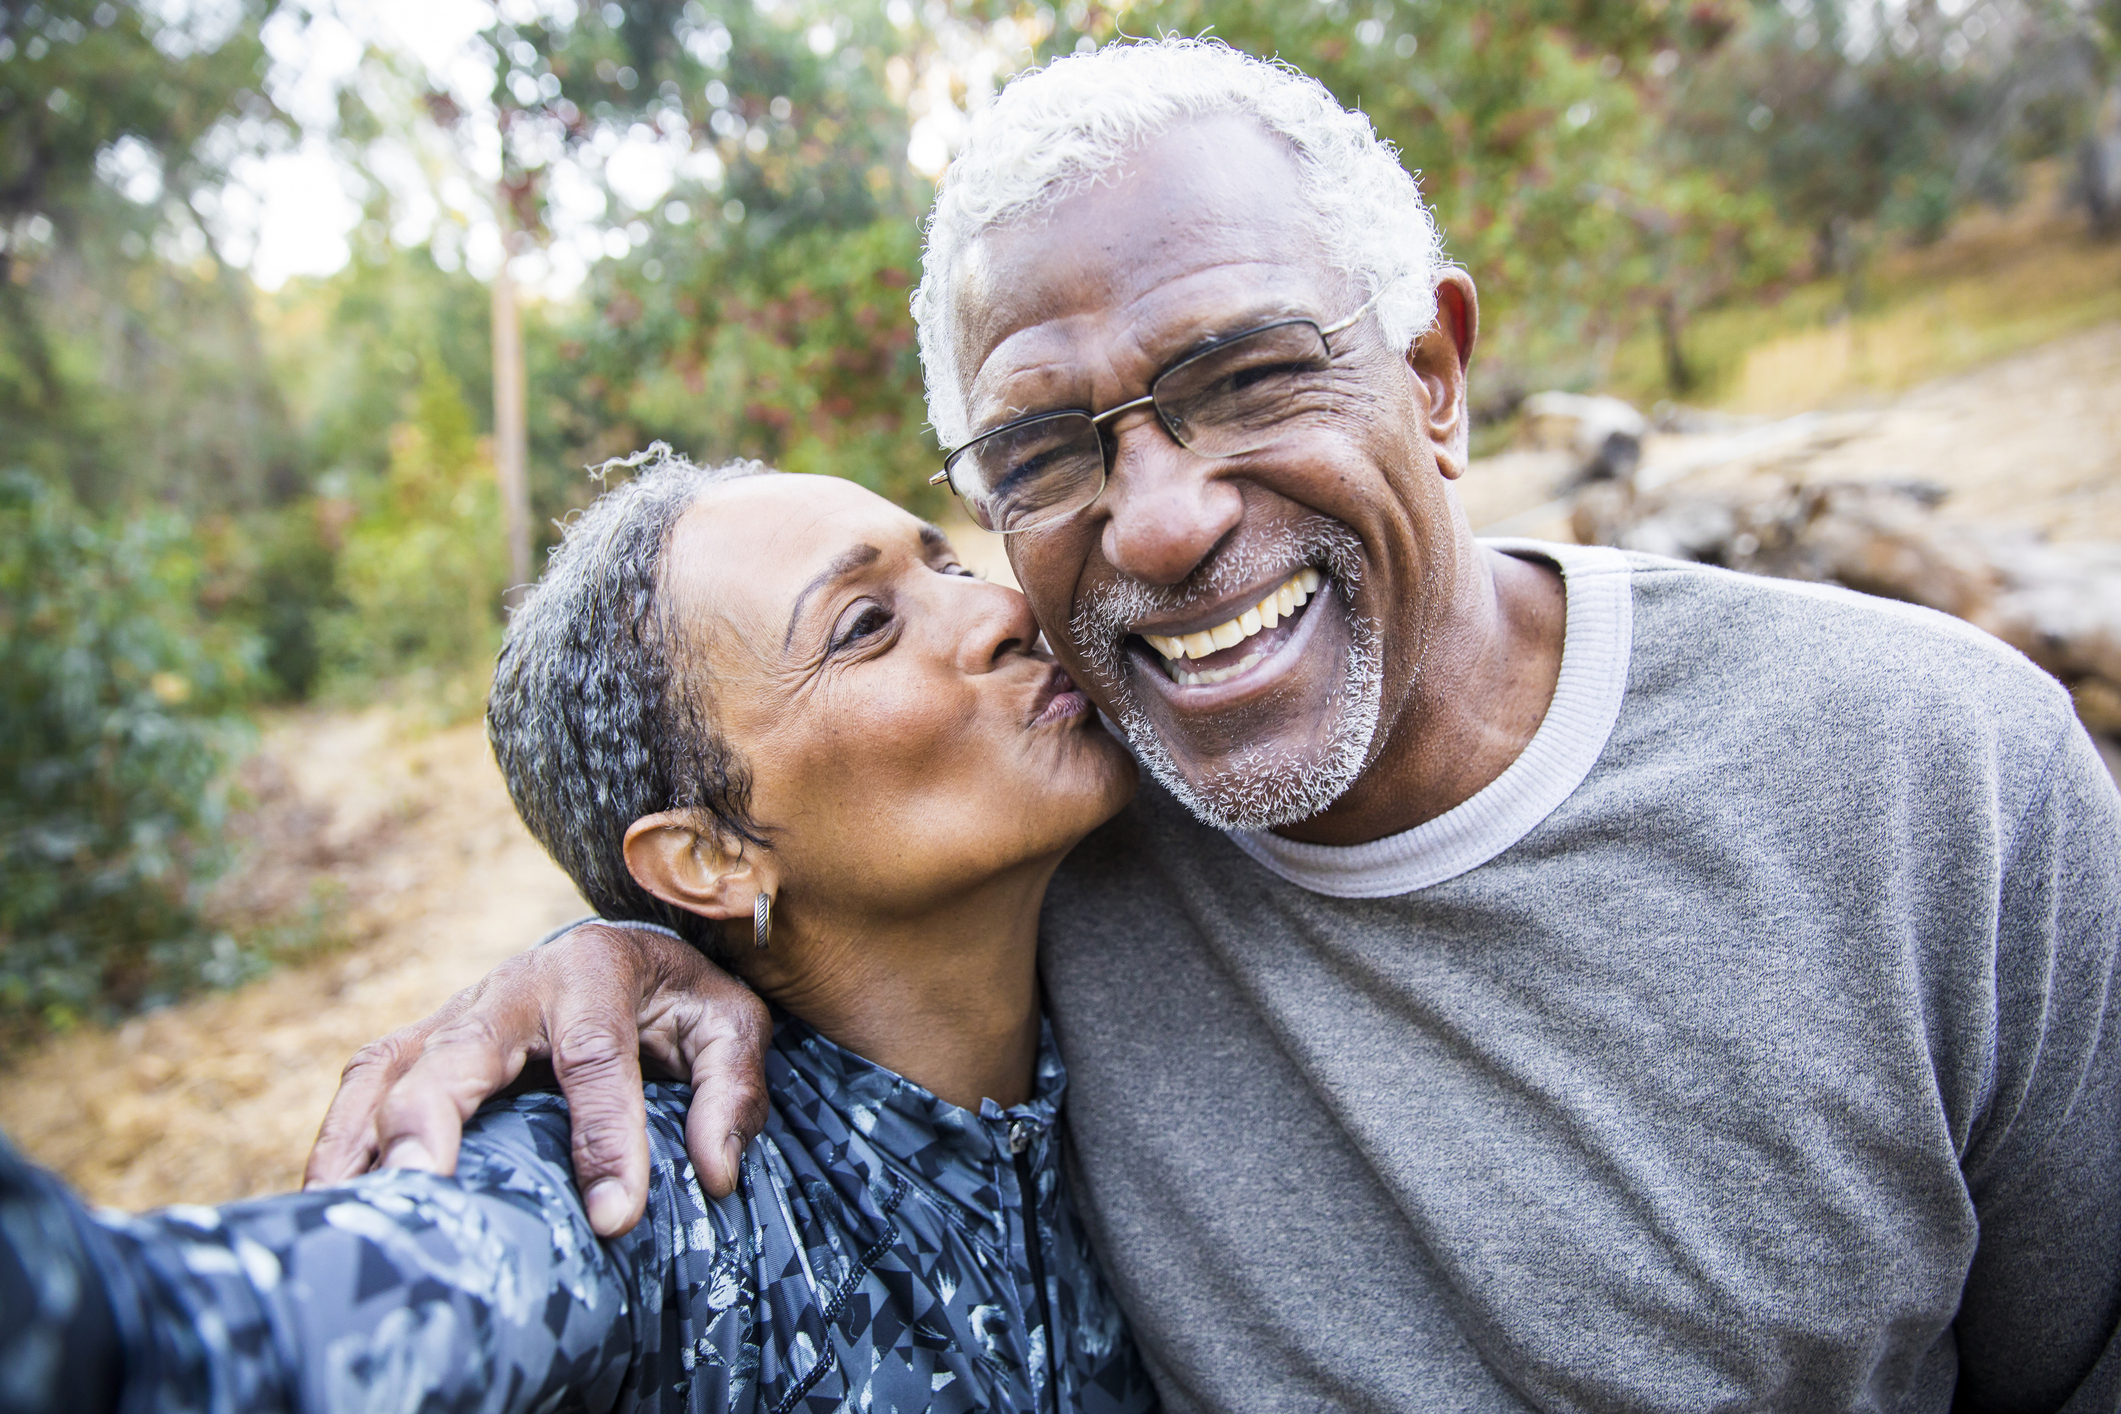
[1185, 679]
[1286, 599]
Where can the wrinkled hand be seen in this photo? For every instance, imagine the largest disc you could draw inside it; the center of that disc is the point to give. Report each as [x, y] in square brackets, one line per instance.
[592, 1002]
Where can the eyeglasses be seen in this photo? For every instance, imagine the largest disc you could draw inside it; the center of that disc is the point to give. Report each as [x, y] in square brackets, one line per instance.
[1232, 397]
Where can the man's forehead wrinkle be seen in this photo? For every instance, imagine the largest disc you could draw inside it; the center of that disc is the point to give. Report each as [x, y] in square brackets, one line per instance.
[1020, 378]
[1111, 349]
[1181, 190]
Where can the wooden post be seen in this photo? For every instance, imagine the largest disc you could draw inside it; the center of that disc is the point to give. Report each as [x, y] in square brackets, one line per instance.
[510, 437]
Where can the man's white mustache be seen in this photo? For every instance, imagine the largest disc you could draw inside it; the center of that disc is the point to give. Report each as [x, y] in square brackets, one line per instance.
[1105, 617]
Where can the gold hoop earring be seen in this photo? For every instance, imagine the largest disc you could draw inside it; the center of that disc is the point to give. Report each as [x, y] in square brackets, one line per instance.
[761, 920]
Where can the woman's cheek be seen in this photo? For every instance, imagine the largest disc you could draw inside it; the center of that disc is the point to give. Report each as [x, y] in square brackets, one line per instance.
[923, 717]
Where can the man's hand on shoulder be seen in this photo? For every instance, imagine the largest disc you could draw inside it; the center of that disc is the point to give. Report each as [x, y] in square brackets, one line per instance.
[592, 1003]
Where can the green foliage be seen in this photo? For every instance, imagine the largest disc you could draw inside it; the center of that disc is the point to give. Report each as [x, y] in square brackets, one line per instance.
[350, 351]
[81, 76]
[1863, 123]
[1604, 169]
[765, 313]
[275, 573]
[423, 566]
[128, 361]
[801, 354]
[115, 725]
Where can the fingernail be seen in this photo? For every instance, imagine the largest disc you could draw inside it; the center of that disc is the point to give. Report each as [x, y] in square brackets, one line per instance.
[733, 1155]
[606, 1201]
[409, 1154]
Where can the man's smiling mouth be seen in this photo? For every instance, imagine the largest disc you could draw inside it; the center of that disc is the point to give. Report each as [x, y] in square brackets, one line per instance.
[1218, 651]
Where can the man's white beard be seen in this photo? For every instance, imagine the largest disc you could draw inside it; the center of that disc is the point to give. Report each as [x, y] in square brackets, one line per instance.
[1263, 786]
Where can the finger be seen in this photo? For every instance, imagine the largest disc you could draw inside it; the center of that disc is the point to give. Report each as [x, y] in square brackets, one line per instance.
[721, 1037]
[462, 1063]
[345, 1145]
[596, 1057]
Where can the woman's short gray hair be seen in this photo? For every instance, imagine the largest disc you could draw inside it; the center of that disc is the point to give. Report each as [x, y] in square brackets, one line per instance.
[1056, 130]
[598, 714]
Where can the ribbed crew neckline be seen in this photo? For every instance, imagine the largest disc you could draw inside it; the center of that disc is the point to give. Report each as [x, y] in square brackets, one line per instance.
[1596, 645]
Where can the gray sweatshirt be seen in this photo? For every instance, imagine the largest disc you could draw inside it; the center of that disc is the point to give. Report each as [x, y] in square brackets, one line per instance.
[1753, 1042]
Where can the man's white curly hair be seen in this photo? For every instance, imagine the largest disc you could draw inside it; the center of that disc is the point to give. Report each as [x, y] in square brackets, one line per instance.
[1056, 130]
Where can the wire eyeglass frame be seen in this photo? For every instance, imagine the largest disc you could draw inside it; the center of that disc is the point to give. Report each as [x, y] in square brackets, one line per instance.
[1096, 423]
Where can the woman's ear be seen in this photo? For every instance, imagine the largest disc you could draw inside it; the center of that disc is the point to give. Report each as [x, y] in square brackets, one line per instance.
[702, 871]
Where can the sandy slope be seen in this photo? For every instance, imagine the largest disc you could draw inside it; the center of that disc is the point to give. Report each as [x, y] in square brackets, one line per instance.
[219, 1098]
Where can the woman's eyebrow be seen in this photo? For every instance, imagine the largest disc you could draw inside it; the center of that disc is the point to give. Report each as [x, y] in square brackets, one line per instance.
[847, 562]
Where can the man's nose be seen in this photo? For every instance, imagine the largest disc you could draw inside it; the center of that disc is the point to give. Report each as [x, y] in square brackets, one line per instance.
[1166, 509]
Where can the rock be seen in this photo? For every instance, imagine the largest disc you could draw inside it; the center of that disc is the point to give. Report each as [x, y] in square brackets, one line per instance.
[2060, 605]
[1605, 433]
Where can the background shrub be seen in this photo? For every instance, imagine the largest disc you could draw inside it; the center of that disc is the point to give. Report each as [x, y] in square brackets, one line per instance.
[115, 725]
[424, 564]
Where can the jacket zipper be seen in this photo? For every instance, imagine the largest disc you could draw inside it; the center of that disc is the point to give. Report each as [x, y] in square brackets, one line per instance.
[1027, 1194]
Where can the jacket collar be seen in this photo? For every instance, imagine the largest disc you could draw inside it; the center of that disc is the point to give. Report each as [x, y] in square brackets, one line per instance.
[955, 1150]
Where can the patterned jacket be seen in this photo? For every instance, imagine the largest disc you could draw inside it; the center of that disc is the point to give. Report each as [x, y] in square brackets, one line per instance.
[884, 1251]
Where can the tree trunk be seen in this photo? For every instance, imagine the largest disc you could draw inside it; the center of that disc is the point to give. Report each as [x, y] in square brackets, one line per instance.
[510, 438]
[1671, 336]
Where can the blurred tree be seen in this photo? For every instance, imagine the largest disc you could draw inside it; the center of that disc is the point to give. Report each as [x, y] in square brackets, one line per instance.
[424, 562]
[1865, 121]
[114, 703]
[128, 362]
[351, 352]
[753, 158]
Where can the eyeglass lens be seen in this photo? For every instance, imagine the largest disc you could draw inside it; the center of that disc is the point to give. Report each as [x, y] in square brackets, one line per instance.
[1232, 398]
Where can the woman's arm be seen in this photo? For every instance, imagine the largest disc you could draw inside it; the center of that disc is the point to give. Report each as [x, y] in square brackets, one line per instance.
[58, 1343]
[405, 1290]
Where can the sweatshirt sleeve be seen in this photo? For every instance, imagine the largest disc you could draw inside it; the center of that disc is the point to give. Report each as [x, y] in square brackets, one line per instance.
[2037, 1328]
[487, 1291]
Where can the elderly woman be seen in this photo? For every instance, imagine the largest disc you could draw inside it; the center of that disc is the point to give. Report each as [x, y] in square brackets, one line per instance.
[776, 716]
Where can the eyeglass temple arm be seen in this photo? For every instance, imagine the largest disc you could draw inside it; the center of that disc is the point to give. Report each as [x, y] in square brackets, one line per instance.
[1360, 311]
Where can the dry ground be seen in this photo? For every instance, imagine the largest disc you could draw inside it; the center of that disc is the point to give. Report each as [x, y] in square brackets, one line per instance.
[2030, 440]
[219, 1097]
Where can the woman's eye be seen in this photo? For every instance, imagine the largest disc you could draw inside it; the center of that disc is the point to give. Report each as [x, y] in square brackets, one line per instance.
[871, 619]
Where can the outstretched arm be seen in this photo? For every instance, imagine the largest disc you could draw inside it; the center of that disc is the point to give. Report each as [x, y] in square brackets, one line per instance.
[484, 1292]
[592, 1003]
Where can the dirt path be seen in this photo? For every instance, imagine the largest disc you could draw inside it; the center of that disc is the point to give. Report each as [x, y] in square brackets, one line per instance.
[219, 1098]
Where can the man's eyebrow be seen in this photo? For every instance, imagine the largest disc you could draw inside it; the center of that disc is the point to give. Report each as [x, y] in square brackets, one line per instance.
[846, 563]
[932, 537]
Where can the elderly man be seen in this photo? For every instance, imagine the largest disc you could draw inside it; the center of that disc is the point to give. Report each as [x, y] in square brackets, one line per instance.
[1540, 977]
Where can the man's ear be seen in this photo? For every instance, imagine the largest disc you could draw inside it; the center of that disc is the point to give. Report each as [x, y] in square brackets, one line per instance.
[700, 870]
[1439, 359]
